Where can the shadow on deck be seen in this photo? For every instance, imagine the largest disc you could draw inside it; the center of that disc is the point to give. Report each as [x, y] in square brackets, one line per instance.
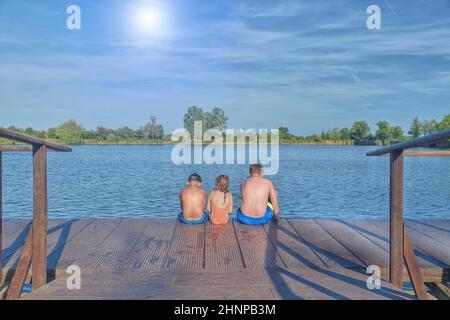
[163, 259]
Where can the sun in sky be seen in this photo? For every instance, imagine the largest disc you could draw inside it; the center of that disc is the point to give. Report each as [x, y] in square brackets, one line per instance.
[149, 21]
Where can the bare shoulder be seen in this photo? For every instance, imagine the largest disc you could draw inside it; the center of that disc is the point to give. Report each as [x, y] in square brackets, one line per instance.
[268, 182]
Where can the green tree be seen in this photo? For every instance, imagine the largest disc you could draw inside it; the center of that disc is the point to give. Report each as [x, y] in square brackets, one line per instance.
[216, 119]
[193, 114]
[445, 123]
[70, 132]
[126, 133]
[284, 133]
[154, 130]
[397, 133]
[345, 134]
[416, 128]
[360, 131]
[334, 134]
[111, 138]
[430, 127]
[103, 133]
[383, 132]
[51, 133]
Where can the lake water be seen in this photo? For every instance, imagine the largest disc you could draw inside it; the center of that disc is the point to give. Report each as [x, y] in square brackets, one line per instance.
[141, 181]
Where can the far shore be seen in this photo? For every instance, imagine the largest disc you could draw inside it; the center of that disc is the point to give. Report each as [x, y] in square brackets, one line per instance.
[327, 143]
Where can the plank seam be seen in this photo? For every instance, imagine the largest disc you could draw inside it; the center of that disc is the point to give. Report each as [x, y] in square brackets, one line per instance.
[204, 245]
[73, 236]
[417, 247]
[238, 243]
[307, 243]
[135, 244]
[164, 260]
[275, 248]
[364, 264]
[341, 221]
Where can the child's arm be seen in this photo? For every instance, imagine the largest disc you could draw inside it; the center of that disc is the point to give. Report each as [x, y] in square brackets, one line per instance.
[231, 204]
[181, 200]
[208, 203]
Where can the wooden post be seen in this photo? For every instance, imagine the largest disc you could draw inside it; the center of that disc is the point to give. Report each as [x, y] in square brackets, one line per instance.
[413, 267]
[396, 219]
[15, 288]
[39, 238]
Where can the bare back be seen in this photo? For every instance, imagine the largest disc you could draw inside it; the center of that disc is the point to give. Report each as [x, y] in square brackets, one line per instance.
[220, 205]
[192, 200]
[256, 192]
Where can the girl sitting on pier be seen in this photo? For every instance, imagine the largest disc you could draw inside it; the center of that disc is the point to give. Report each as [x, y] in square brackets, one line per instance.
[220, 201]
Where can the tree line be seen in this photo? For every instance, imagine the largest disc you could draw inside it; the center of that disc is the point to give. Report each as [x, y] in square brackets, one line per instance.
[361, 133]
[71, 132]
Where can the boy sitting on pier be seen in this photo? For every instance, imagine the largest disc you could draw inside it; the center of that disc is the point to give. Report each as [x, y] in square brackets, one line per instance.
[259, 198]
[192, 201]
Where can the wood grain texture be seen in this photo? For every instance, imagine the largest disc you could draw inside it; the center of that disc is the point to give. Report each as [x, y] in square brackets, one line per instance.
[153, 245]
[187, 250]
[279, 256]
[39, 226]
[15, 288]
[396, 218]
[332, 252]
[256, 247]
[292, 248]
[364, 249]
[222, 247]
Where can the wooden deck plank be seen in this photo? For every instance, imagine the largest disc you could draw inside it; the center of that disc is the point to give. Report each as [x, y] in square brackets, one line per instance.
[294, 251]
[81, 250]
[187, 250]
[273, 283]
[435, 250]
[441, 224]
[380, 236]
[14, 254]
[152, 247]
[13, 226]
[291, 259]
[60, 235]
[358, 245]
[14, 240]
[114, 250]
[333, 253]
[256, 247]
[439, 232]
[222, 248]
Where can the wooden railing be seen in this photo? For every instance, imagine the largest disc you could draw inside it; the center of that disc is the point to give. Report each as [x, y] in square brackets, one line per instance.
[34, 251]
[400, 246]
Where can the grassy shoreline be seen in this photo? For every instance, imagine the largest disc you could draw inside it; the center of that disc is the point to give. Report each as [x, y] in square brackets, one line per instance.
[327, 143]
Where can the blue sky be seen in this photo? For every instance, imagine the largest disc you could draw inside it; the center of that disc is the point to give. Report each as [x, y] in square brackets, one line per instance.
[308, 65]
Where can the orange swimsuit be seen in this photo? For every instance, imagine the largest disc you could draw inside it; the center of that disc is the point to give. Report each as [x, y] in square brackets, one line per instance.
[219, 214]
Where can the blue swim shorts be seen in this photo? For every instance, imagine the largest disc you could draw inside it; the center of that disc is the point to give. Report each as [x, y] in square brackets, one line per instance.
[203, 219]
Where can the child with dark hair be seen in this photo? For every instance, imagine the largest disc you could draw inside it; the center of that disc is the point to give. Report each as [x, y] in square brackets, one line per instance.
[192, 201]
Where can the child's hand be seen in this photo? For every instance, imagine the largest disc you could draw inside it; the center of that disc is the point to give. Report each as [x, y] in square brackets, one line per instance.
[276, 217]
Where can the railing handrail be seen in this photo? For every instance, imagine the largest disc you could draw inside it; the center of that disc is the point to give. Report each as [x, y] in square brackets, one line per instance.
[414, 143]
[24, 138]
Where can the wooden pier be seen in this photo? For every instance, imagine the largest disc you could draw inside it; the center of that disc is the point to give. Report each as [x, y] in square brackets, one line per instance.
[164, 259]
[161, 258]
